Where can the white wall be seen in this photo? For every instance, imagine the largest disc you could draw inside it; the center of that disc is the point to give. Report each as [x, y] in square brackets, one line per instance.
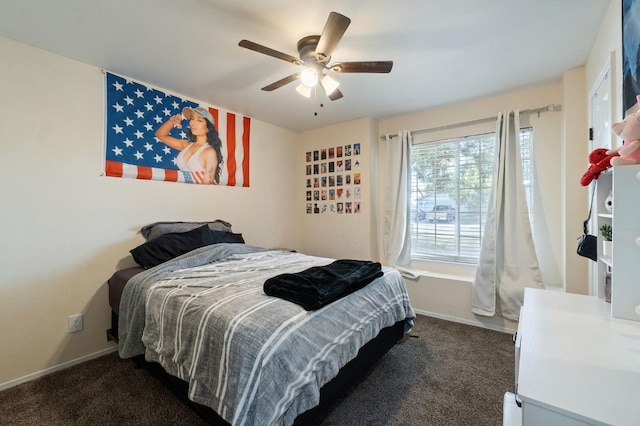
[65, 229]
[608, 41]
[331, 234]
[573, 207]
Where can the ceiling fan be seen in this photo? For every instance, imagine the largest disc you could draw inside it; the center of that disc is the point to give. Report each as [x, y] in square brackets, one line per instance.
[314, 55]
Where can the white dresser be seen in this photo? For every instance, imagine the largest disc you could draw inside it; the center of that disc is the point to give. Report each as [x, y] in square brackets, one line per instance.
[575, 364]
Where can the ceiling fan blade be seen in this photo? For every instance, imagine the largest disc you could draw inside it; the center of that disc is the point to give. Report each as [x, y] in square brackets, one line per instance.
[365, 66]
[335, 95]
[268, 51]
[281, 82]
[331, 34]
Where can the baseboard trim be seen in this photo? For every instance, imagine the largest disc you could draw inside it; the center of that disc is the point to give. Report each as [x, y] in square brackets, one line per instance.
[465, 321]
[55, 368]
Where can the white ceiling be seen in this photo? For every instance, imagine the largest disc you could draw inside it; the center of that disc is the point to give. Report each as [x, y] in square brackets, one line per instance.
[444, 51]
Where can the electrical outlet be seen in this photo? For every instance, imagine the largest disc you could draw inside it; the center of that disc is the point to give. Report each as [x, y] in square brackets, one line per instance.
[75, 323]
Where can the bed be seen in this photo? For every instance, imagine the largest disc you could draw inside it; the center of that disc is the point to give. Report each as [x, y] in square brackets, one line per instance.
[240, 355]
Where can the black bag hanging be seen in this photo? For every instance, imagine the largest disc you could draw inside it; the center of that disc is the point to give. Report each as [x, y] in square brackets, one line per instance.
[588, 244]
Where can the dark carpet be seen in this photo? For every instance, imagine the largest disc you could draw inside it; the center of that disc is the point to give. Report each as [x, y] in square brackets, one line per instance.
[442, 373]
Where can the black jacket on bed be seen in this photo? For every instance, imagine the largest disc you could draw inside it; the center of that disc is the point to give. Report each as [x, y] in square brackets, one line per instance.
[316, 287]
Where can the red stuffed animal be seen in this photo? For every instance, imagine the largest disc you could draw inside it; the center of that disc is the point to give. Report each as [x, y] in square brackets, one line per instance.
[600, 161]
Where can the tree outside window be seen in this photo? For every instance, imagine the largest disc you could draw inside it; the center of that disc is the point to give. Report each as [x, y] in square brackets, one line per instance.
[450, 188]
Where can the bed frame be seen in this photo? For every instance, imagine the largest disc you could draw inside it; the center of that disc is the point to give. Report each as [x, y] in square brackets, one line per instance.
[348, 375]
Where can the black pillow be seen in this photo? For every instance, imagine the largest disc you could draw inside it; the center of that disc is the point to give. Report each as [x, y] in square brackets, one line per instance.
[226, 237]
[168, 246]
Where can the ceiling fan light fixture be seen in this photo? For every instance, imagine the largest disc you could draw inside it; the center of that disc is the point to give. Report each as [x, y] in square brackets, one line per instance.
[309, 77]
[329, 84]
[304, 90]
[314, 55]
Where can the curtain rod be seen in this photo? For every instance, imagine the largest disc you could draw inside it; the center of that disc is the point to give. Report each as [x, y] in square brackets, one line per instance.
[552, 107]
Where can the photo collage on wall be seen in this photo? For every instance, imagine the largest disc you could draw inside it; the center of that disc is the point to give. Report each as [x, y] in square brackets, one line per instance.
[333, 180]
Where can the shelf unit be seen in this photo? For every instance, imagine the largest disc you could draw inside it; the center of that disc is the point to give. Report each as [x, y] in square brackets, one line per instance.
[604, 186]
[623, 182]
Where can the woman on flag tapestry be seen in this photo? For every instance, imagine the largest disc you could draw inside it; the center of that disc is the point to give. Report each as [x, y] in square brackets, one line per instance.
[201, 152]
[145, 137]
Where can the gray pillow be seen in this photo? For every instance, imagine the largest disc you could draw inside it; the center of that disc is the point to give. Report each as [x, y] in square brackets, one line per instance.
[158, 229]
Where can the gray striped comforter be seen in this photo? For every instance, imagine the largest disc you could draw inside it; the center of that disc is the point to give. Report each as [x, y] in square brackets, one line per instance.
[254, 359]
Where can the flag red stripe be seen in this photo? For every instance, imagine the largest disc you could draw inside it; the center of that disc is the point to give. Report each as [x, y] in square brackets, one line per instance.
[113, 168]
[116, 169]
[144, 173]
[170, 175]
[231, 148]
[246, 126]
[214, 113]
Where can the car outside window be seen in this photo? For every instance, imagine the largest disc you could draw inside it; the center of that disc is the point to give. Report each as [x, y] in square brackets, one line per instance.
[442, 213]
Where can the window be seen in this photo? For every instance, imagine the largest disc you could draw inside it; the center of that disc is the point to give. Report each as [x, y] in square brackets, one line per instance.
[450, 188]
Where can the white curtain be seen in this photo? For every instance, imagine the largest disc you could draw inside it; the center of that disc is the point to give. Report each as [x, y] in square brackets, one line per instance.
[508, 261]
[395, 241]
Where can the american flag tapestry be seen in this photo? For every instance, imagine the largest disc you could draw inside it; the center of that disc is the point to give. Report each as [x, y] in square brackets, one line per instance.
[153, 135]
